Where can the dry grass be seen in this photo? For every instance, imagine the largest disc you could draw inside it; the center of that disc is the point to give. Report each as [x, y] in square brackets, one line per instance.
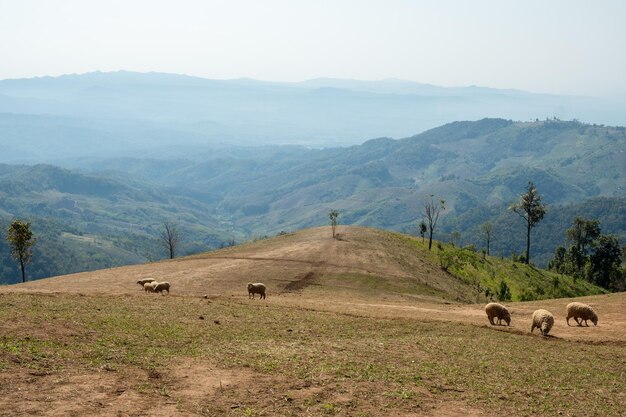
[297, 361]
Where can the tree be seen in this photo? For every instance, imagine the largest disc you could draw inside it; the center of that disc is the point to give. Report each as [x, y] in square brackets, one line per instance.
[531, 210]
[431, 212]
[455, 238]
[582, 233]
[333, 215]
[423, 228]
[558, 263]
[487, 229]
[606, 261]
[170, 238]
[21, 239]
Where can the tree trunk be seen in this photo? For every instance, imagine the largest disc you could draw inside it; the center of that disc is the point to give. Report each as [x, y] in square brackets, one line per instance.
[22, 268]
[487, 246]
[528, 243]
[430, 239]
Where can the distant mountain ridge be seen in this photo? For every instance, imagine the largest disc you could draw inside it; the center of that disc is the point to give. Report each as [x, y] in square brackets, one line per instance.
[152, 112]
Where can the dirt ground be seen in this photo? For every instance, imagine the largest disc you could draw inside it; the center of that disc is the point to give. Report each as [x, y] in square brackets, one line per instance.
[289, 269]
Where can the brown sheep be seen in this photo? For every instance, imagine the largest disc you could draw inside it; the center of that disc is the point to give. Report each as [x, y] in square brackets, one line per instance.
[495, 310]
[258, 288]
[583, 311]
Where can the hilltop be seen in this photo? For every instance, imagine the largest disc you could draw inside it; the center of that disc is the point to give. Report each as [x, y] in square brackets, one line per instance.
[362, 262]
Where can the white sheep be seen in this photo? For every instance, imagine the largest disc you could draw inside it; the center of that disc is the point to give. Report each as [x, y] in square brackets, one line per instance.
[144, 281]
[582, 311]
[543, 320]
[258, 288]
[149, 286]
[162, 286]
[495, 310]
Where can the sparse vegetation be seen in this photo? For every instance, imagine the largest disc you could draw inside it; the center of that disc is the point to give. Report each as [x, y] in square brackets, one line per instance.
[333, 216]
[502, 372]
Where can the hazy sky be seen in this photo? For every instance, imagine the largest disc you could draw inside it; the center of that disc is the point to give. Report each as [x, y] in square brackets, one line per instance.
[558, 46]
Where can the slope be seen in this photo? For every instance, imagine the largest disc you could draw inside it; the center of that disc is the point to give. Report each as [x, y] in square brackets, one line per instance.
[362, 263]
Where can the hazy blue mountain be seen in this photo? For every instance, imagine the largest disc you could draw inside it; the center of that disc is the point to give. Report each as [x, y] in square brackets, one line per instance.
[108, 114]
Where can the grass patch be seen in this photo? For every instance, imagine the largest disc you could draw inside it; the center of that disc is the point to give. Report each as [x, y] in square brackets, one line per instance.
[499, 371]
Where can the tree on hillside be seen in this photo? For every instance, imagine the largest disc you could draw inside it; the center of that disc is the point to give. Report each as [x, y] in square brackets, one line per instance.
[333, 215]
[21, 239]
[487, 229]
[432, 210]
[422, 228]
[170, 238]
[531, 210]
[582, 233]
[605, 263]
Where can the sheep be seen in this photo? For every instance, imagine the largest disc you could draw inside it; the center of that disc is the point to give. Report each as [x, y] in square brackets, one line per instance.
[149, 286]
[495, 310]
[582, 311]
[543, 320]
[258, 288]
[162, 286]
[144, 281]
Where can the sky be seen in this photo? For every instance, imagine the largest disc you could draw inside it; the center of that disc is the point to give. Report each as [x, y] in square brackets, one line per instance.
[558, 46]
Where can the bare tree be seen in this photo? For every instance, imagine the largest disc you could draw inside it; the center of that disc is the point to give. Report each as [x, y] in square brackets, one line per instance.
[170, 238]
[333, 215]
[431, 212]
[531, 210]
[487, 229]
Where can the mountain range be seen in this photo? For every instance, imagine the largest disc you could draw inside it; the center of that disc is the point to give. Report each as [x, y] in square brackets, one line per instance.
[49, 119]
[238, 193]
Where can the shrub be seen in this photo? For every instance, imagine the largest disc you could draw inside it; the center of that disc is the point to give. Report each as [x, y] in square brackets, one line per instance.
[504, 293]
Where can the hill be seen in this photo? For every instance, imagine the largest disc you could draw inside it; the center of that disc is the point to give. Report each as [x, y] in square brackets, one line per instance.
[363, 324]
[362, 262]
[232, 194]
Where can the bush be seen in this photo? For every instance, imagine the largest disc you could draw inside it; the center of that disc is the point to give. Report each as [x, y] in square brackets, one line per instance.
[504, 293]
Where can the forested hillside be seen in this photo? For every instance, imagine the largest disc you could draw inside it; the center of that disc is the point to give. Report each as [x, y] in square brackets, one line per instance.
[230, 194]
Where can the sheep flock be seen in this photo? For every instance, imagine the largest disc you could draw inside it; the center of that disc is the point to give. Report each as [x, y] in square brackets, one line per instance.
[543, 319]
[151, 285]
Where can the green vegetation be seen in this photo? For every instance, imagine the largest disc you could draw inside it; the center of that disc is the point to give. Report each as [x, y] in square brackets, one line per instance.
[503, 279]
[592, 256]
[21, 239]
[233, 194]
[385, 364]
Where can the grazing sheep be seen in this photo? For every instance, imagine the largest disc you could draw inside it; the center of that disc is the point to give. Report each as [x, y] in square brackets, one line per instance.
[257, 288]
[162, 286]
[149, 286]
[495, 310]
[144, 281]
[543, 320]
[582, 311]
